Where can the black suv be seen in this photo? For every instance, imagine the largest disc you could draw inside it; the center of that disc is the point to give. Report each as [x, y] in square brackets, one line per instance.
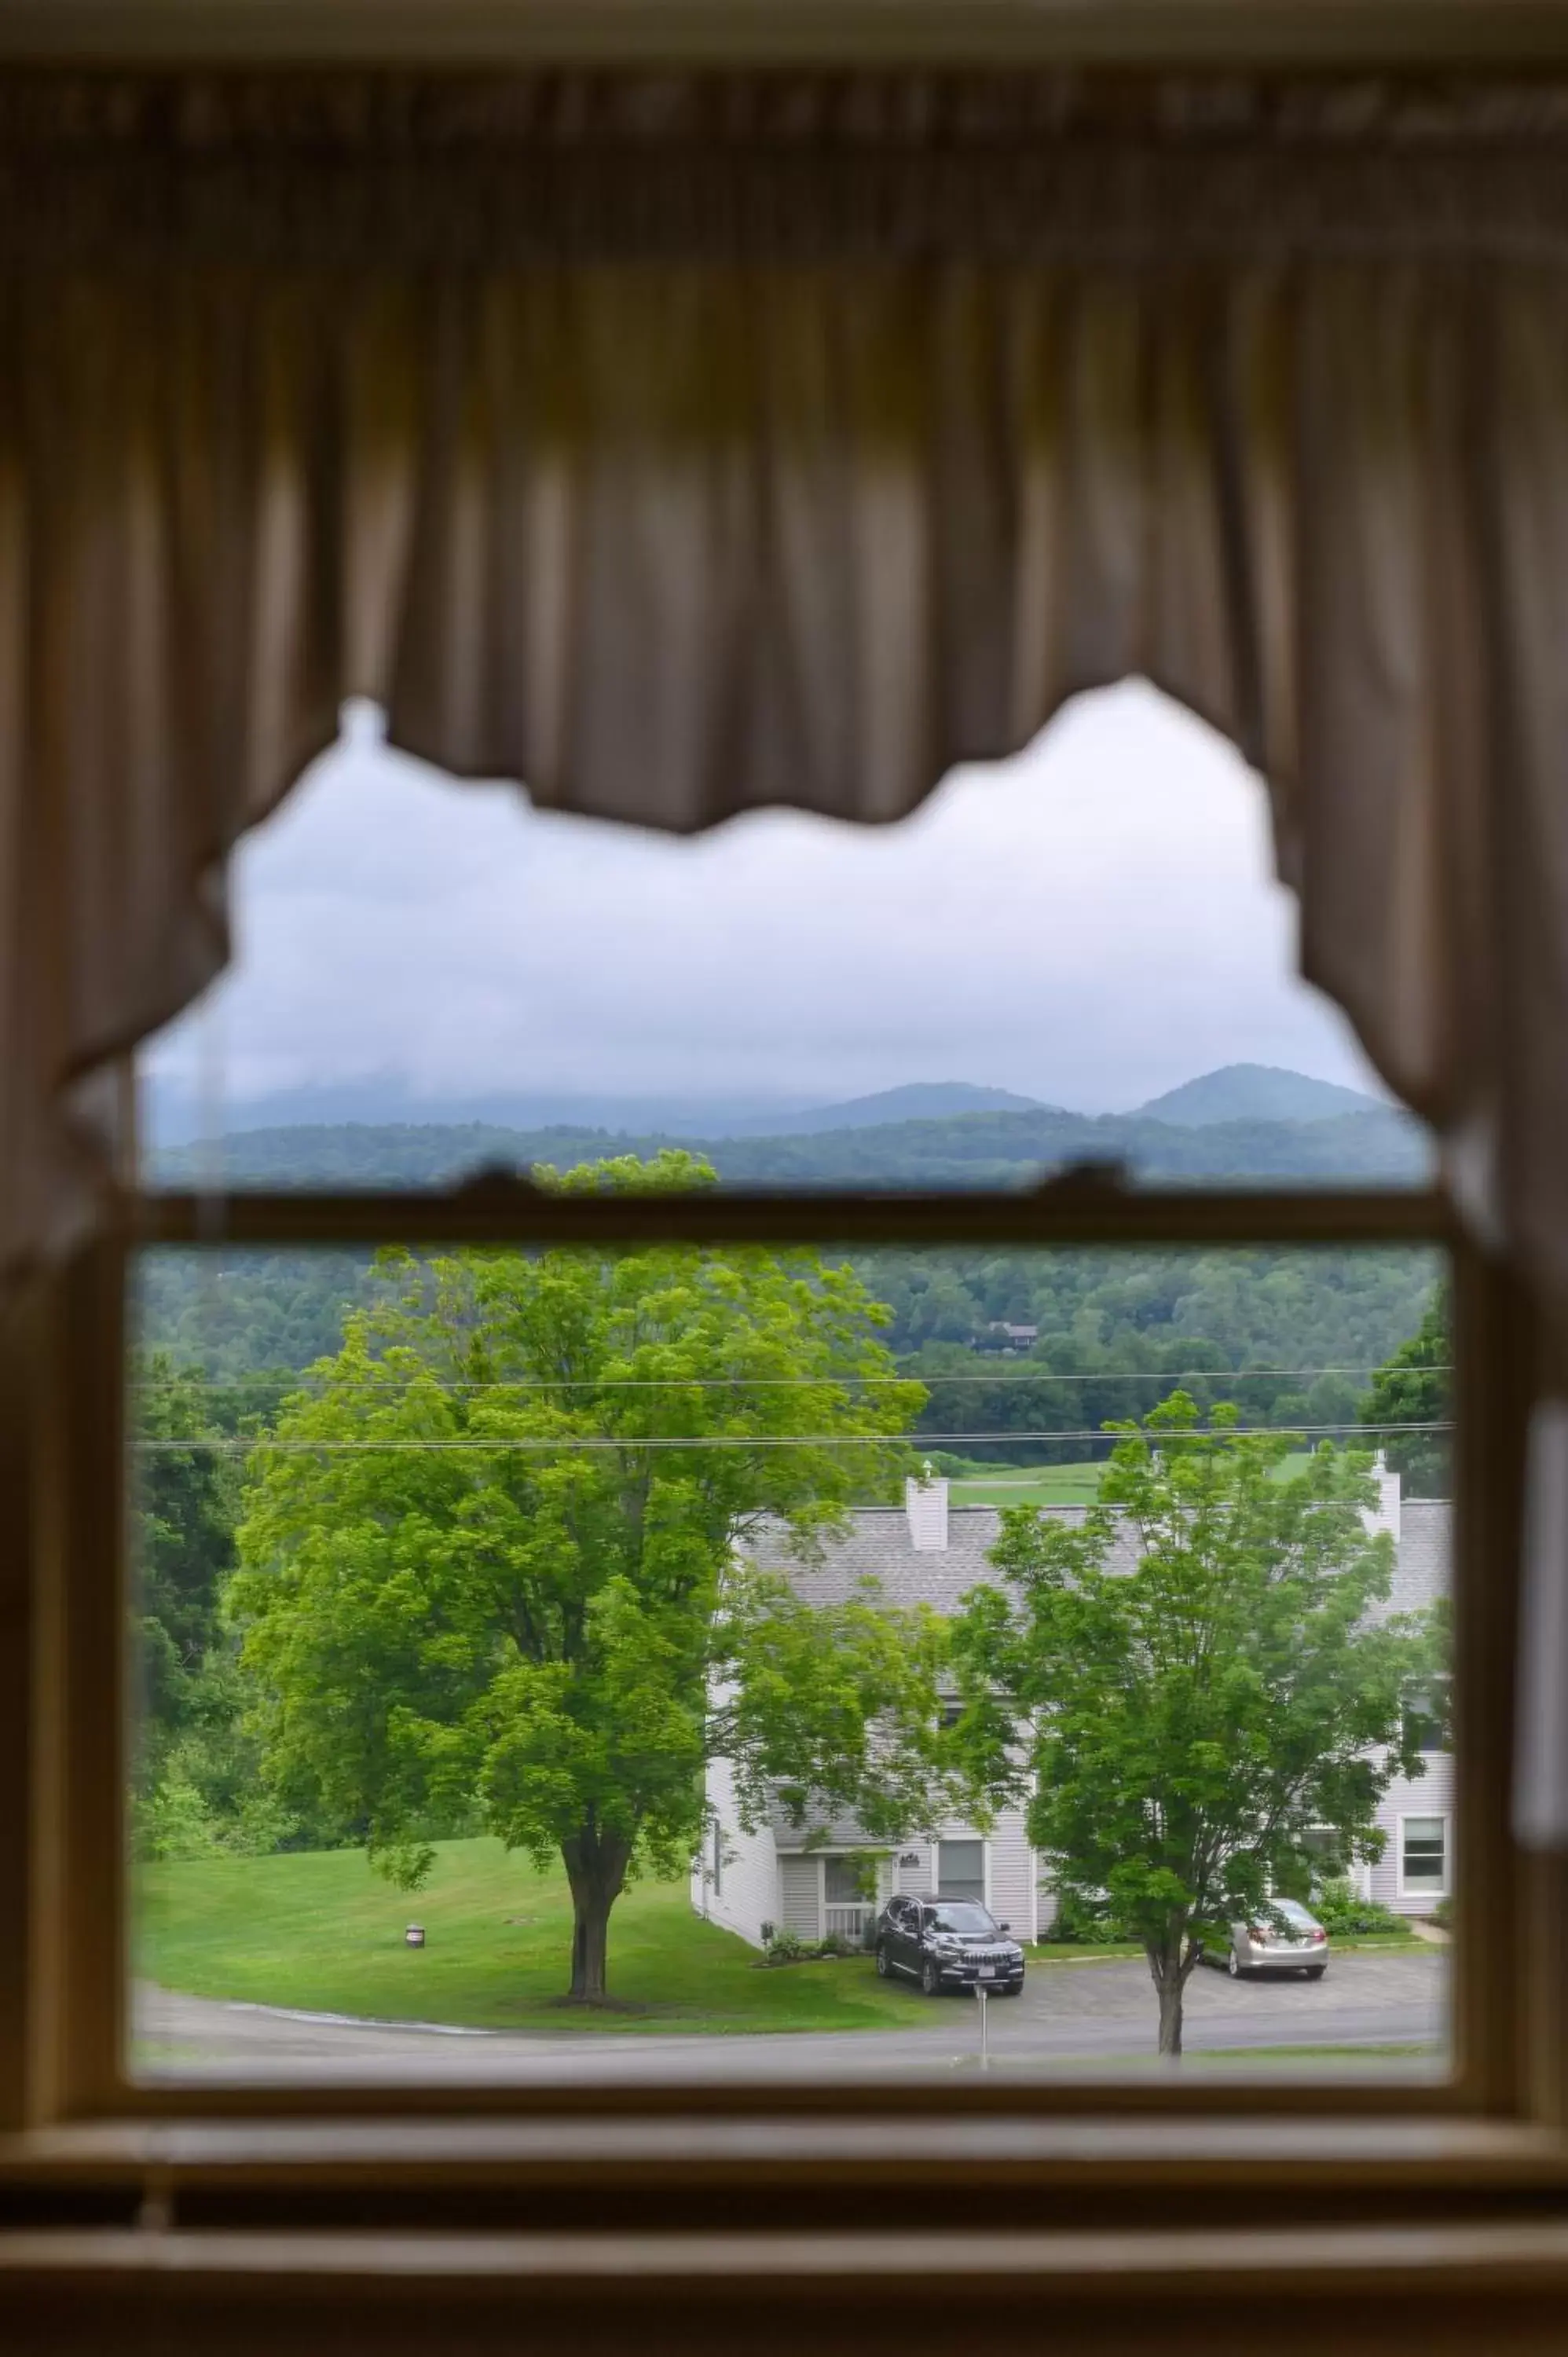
[948, 1943]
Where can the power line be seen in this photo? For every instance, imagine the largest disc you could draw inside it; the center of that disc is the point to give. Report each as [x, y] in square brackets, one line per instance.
[565, 1444]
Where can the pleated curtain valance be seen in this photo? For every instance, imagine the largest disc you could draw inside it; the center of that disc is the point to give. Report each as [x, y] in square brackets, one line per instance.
[678, 445]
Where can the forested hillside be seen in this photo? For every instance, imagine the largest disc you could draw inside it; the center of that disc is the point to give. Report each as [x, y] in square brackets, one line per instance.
[1318, 1322]
[977, 1149]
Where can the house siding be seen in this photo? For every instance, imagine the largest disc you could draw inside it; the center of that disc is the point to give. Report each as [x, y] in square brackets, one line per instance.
[1010, 1874]
[1431, 1795]
[800, 1896]
[747, 1893]
[1422, 1573]
[915, 1866]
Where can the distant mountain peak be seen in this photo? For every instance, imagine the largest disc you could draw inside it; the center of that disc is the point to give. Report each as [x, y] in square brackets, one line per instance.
[917, 1101]
[1255, 1092]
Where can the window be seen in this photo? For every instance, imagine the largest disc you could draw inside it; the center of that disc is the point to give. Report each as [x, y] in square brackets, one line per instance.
[1110, 1302]
[1428, 1717]
[968, 1922]
[67, 1941]
[328, 1428]
[1423, 1857]
[960, 1869]
[843, 1880]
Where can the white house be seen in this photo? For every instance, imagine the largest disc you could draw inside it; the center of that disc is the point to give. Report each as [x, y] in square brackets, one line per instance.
[806, 1878]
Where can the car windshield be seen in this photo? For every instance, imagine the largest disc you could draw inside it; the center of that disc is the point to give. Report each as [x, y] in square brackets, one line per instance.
[962, 1918]
[1293, 1912]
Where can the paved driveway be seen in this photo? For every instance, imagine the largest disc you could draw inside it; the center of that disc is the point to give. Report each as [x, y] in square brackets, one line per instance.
[1070, 2017]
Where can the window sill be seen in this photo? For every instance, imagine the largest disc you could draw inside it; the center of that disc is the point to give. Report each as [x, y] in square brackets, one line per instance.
[1432, 2287]
[827, 32]
[866, 2172]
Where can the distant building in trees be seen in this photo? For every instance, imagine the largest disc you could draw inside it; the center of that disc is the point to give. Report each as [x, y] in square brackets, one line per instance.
[999, 1335]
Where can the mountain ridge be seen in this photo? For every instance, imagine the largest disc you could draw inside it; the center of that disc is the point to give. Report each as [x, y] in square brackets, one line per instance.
[977, 1149]
[1230, 1093]
[885, 1108]
[1255, 1092]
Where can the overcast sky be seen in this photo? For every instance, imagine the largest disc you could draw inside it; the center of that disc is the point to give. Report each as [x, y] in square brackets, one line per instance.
[1089, 923]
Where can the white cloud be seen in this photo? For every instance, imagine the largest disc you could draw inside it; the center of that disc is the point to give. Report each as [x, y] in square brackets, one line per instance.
[1089, 923]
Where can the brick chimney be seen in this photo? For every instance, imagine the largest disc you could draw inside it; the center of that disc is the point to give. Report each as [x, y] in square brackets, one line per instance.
[926, 1507]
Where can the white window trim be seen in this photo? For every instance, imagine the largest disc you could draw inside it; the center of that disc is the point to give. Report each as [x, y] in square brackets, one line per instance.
[1424, 1890]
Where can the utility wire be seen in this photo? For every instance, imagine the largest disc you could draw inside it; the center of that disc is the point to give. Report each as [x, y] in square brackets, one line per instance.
[563, 1443]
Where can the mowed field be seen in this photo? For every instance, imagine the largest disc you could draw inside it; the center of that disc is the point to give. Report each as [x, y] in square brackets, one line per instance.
[1028, 1485]
[320, 1932]
[1048, 1485]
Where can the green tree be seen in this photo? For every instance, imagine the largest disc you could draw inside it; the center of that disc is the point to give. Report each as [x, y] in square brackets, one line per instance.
[493, 1560]
[194, 1786]
[1197, 1701]
[1412, 1388]
[183, 1503]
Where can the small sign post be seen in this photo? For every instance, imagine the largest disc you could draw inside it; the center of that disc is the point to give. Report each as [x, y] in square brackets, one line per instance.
[981, 1999]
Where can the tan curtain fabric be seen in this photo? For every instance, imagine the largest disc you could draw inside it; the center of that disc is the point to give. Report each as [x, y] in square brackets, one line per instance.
[669, 542]
[680, 447]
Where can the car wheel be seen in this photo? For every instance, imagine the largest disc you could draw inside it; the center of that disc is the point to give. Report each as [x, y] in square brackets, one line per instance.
[1314, 1972]
[1233, 1965]
[884, 1961]
[931, 1979]
[1012, 1988]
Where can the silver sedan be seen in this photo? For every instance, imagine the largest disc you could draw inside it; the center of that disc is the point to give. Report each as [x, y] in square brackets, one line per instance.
[1281, 1937]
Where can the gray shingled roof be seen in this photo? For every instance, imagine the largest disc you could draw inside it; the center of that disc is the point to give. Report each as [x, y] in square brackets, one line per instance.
[878, 1548]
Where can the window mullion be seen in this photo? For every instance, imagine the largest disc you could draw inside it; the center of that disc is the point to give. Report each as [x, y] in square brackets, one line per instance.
[1058, 1215]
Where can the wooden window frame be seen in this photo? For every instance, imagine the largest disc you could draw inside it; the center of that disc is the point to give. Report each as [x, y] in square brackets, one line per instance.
[1339, 34]
[1127, 2218]
[999, 2196]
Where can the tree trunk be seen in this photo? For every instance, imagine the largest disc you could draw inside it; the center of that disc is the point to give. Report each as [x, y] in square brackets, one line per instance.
[596, 1868]
[1170, 1981]
[1170, 2014]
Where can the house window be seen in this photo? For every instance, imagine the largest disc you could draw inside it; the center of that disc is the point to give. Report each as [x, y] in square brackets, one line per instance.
[1428, 1718]
[718, 1857]
[960, 1869]
[1423, 1857]
[841, 1882]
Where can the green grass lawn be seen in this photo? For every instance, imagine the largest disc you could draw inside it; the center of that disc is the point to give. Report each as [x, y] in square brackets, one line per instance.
[1029, 1485]
[1050, 1485]
[319, 1931]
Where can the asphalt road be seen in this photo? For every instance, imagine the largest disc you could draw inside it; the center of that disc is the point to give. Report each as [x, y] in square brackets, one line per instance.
[1070, 2017]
